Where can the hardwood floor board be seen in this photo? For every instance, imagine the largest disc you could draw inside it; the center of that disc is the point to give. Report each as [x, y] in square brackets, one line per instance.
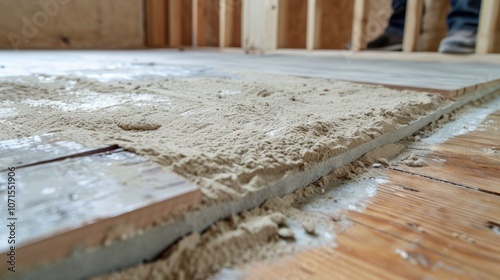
[90, 200]
[365, 253]
[435, 222]
[471, 159]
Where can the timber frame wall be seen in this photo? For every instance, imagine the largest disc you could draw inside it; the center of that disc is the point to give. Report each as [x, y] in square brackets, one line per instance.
[266, 25]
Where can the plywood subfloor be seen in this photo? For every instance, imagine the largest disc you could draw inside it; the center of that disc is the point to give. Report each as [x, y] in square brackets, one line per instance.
[435, 222]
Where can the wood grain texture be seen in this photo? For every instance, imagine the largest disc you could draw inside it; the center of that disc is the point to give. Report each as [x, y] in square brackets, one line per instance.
[434, 27]
[85, 201]
[156, 23]
[230, 23]
[334, 19]
[489, 31]
[30, 150]
[312, 25]
[186, 12]
[292, 24]
[415, 227]
[413, 24]
[180, 23]
[175, 23]
[453, 160]
[212, 23]
[77, 24]
[260, 35]
[359, 24]
[198, 19]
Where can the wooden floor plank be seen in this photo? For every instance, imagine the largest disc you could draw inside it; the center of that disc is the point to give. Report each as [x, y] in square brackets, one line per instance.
[450, 225]
[434, 225]
[29, 150]
[365, 253]
[471, 159]
[88, 201]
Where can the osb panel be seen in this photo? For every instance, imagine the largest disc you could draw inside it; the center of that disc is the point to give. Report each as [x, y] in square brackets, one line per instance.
[71, 24]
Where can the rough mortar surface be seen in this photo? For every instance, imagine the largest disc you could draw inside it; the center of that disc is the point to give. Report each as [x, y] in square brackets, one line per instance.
[230, 136]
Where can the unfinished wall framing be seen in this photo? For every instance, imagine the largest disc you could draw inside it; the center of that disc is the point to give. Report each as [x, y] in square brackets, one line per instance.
[314, 24]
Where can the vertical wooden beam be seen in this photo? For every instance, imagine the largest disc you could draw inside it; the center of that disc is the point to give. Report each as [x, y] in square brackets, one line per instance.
[222, 23]
[360, 21]
[156, 23]
[413, 24]
[194, 19]
[236, 23]
[226, 24]
[488, 22]
[186, 18]
[311, 25]
[433, 24]
[260, 25]
[199, 23]
[283, 14]
[175, 23]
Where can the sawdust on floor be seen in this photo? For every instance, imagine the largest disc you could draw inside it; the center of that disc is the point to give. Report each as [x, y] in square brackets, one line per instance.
[228, 135]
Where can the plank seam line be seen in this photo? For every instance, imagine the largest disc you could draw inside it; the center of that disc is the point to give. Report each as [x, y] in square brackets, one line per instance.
[114, 148]
[445, 181]
[418, 244]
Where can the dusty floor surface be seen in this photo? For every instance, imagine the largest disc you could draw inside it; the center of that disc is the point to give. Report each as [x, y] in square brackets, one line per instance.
[307, 218]
[229, 135]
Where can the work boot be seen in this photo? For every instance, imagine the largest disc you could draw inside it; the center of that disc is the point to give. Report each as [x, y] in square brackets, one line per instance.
[459, 42]
[387, 42]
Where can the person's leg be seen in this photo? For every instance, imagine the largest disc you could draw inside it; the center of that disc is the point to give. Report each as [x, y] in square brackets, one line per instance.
[463, 21]
[397, 21]
[464, 15]
[392, 38]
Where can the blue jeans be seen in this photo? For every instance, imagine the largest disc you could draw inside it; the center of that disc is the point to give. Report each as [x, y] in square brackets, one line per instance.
[464, 14]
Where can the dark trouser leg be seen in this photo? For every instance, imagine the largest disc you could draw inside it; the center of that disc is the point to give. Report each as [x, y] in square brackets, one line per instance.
[397, 20]
[464, 15]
